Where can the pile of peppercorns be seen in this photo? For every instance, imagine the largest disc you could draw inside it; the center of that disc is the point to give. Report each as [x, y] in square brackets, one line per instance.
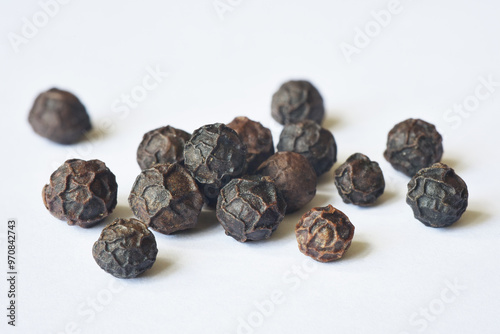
[233, 168]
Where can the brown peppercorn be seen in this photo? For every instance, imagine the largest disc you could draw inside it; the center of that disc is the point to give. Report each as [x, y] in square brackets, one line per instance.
[166, 198]
[293, 175]
[81, 192]
[162, 145]
[324, 233]
[59, 116]
[257, 138]
[413, 144]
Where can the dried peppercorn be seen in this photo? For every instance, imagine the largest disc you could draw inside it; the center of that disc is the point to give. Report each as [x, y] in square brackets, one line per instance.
[324, 233]
[312, 141]
[214, 155]
[297, 100]
[250, 209]
[162, 145]
[359, 180]
[81, 192]
[413, 144]
[293, 175]
[59, 116]
[125, 248]
[257, 138]
[437, 196]
[166, 198]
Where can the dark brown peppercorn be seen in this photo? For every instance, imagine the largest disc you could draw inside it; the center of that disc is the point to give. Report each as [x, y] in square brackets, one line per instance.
[126, 248]
[312, 141]
[413, 144]
[437, 196]
[214, 155]
[359, 180]
[59, 116]
[258, 140]
[324, 233]
[162, 145]
[166, 198]
[250, 209]
[81, 192]
[293, 175]
[297, 100]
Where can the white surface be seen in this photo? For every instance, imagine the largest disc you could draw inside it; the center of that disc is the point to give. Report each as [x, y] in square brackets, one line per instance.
[428, 58]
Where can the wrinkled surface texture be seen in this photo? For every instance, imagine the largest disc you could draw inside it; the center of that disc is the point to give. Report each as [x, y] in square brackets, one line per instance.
[59, 116]
[125, 249]
[293, 175]
[162, 145]
[324, 233]
[257, 138]
[413, 144]
[312, 141]
[166, 198]
[214, 155]
[81, 192]
[295, 101]
[437, 196]
[250, 209]
[359, 180]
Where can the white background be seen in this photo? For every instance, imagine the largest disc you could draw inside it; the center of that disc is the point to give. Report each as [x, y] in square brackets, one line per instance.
[395, 278]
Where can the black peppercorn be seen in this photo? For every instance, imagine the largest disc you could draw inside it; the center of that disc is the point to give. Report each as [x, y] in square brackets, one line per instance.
[258, 140]
[214, 155]
[437, 196]
[125, 248]
[413, 144]
[297, 100]
[166, 198]
[359, 180]
[250, 209]
[81, 192]
[324, 233]
[59, 116]
[293, 175]
[312, 141]
[162, 145]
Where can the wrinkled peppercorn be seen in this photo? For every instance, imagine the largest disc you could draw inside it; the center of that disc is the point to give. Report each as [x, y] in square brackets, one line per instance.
[214, 155]
[166, 198]
[162, 145]
[81, 192]
[293, 175]
[59, 116]
[250, 209]
[413, 144]
[437, 196]
[297, 100]
[125, 248]
[324, 233]
[258, 140]
[359, 180]
[312, 141]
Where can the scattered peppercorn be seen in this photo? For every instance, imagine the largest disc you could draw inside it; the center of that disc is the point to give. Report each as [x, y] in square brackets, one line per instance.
[81, 192]
[214, 155]
[359, 180]
[257, 138]
[166, 198]
[413, 144]
[250, 209]
[312, 141]
[162, 145]
[59, 116]
[293, 175]
[437, 196]
[324, 233]
[125, 248]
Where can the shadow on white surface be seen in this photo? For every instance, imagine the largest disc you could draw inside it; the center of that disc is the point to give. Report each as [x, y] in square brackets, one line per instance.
[121, 211]
[358, 249]
[471, 218]
[159, 267]
[332, 123]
